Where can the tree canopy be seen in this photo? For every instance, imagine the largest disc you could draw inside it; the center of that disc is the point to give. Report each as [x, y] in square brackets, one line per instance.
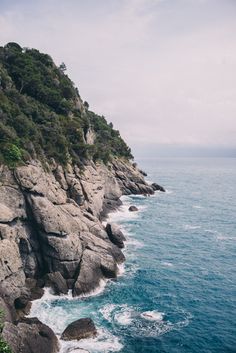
[42, 115]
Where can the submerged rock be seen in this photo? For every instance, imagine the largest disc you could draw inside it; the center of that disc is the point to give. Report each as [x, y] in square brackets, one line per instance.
[133, 209]
[115, 234]
[157, 187]
[79, 329]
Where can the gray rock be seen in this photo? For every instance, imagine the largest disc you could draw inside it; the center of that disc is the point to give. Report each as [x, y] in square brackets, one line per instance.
[34, 179]
[133, 209]
[90, 273]
[157, 187]
[79, 329]
[30, 336]
[12, 204]
[56, 281]
[115, 234]
[109, 267]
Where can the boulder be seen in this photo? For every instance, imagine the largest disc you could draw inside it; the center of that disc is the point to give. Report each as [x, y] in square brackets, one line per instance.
[22, 301]
[90, 273]
[57, 282]
[109, 267]
[30, 336]
[157, 187]
[133, 209]
[115, 234]
[79, 329]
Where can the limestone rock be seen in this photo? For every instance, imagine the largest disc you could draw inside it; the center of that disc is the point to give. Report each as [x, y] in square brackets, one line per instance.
[56, 281]
[37, 181]
[157, 187]
[79, 329]
[12, 277]
[12, 204]
[30, 336]
[90, 273]
[115, 234]
[6, 214]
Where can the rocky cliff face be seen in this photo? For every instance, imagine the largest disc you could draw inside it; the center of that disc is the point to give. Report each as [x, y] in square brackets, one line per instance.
[51, 230]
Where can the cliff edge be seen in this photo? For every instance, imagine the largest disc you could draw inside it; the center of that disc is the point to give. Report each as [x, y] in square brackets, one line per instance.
[62, 169]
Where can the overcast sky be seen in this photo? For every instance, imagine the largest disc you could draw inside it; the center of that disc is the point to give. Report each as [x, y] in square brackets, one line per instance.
[163, 71]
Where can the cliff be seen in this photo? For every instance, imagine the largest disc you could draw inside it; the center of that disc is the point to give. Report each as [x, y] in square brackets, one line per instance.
[62, 169]
[51, 231]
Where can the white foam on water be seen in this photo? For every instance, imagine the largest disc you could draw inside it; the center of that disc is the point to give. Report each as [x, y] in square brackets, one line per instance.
[169, 191]
[121, 314]
[191, 227]
[123, 212]
[134, 243]
[153, 315]
[197, 206]
[121, 269]
[219, 236]
[167, 264]
[225, 237]
[124, 318]
[107, 310]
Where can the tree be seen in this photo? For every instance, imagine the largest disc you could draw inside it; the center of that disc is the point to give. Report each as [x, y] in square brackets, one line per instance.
[86, 105]
[62, 67]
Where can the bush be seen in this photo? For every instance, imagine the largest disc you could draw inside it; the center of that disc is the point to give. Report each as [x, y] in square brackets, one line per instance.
[12, 154]
[4, 347]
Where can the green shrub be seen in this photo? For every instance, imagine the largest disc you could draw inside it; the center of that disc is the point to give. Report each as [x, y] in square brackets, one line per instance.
[4, 347]
[12, 154]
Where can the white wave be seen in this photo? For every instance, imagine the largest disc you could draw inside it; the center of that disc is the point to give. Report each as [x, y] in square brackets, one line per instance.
[191, 227]
[168, 264]
[98, 290]
[219, 236]
[134, 243]
[124, 318]
[153, 315]
[121, 269]
[122, 314]
[123, 212]
[197, 206]
[169, 191]
[107, 310]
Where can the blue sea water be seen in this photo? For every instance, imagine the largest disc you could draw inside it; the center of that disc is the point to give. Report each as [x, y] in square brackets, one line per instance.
[177, 291]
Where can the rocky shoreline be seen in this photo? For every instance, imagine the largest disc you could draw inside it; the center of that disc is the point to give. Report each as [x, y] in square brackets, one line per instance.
[51, 234]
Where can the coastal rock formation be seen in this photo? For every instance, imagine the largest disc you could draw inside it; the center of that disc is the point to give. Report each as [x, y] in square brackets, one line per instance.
[79, 329]
[158, 187]
[115, 234]
[63, 168]
[51, 233]
[30, 336]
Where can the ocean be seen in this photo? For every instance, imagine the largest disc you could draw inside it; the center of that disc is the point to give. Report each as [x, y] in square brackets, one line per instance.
[176, 292]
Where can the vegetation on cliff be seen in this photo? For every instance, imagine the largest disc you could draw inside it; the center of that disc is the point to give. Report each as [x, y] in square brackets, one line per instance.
[42, 115]
[4, 347]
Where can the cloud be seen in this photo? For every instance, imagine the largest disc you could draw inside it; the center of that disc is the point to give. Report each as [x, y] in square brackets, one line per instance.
[162, 71]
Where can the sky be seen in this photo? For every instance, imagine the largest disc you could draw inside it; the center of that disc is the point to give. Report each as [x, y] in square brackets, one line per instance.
[163, 71]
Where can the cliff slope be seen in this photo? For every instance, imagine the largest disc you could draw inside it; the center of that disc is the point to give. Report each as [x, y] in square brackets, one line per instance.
[62, 169]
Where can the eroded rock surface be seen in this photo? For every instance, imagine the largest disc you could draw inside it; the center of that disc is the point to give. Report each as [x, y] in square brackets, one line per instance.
[79, 329]
[51, 233]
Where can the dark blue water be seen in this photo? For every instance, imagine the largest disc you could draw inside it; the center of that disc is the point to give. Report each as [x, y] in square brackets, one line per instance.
[178, 291]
